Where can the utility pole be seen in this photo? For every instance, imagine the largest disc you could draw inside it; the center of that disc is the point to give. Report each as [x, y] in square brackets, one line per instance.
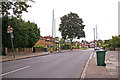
[52, 28]
[94, 37]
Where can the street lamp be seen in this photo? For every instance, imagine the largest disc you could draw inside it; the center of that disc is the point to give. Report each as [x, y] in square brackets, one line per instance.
[94, 38]
[10, 30]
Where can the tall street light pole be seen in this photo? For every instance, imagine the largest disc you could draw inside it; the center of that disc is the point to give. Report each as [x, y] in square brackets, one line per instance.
[94, 37]
[52, 23]
[96, 32]
[52, 28]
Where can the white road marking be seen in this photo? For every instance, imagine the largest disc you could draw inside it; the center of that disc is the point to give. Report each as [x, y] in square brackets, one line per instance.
[49, 60]
[14, 71]
[94, 54]
[83, 73]
[91, 55]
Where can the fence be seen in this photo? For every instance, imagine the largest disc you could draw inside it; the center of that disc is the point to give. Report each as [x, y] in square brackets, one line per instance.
[117, 49]
[38, 49]
[17, 51]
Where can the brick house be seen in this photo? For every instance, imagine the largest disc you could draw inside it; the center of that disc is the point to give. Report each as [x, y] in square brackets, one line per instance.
[44, 41]
[85, 44]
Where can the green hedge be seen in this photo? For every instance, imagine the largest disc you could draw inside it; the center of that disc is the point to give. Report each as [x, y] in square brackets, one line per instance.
[40, 46]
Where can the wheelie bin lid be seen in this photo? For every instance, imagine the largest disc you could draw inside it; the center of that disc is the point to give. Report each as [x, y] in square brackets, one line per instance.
[97, 51]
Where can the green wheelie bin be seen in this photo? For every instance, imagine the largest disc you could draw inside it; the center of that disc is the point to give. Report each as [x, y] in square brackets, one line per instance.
[101, 57]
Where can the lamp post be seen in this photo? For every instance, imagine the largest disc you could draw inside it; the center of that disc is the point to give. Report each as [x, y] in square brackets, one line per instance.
[52, 28]
[94, 38]
[10, 30]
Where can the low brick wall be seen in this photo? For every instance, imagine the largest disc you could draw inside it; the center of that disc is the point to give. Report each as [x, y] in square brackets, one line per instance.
[107, 49]
[117, 49]
[17, 51]
[39, 49]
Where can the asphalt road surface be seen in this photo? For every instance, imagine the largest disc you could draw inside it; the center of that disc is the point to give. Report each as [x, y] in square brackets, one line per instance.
[62, 65]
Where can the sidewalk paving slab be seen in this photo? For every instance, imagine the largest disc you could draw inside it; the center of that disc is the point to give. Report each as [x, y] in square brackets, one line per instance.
[108, 72]
[94, 71]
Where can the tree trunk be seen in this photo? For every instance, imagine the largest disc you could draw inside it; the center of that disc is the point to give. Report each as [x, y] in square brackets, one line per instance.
[71, 44]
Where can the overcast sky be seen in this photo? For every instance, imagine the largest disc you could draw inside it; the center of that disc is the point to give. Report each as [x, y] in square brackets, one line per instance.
[103, 13]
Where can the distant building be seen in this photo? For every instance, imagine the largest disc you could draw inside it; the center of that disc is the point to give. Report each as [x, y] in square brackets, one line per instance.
[92, 44]
[46, 41]
[84, 44]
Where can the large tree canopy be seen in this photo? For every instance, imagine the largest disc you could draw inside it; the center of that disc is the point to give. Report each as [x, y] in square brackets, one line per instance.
[16, 7]
[26, 34]
[71, 26]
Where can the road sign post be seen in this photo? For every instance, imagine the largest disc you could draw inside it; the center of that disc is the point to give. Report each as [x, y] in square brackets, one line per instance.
[10, 30]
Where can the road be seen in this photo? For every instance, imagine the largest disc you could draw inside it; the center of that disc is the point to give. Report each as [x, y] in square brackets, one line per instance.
[62, 65]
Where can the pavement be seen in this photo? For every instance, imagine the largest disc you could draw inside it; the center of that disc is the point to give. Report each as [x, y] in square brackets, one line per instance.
[108, 72]
[23, 56]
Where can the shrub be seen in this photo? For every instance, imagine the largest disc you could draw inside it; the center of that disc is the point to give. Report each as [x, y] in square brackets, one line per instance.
[78, 46]
[63, 46]
[105, 46]
[73, 47]
[40, 46]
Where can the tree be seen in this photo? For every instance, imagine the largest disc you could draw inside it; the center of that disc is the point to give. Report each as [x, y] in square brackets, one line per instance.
[106, 41]
[71, 27]
[16, 7]
[99, 41]
[26, 34]
[114, 42]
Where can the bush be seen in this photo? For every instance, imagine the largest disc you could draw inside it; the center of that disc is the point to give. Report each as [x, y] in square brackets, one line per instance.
[40, 46]
[68, 45]
[78, 46]
[73, 47]
[105, 46]
[35, 46]
[63, 46]
[112, 48]
[112, 43]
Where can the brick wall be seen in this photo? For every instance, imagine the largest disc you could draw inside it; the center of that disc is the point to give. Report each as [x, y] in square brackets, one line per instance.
[8, 51]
